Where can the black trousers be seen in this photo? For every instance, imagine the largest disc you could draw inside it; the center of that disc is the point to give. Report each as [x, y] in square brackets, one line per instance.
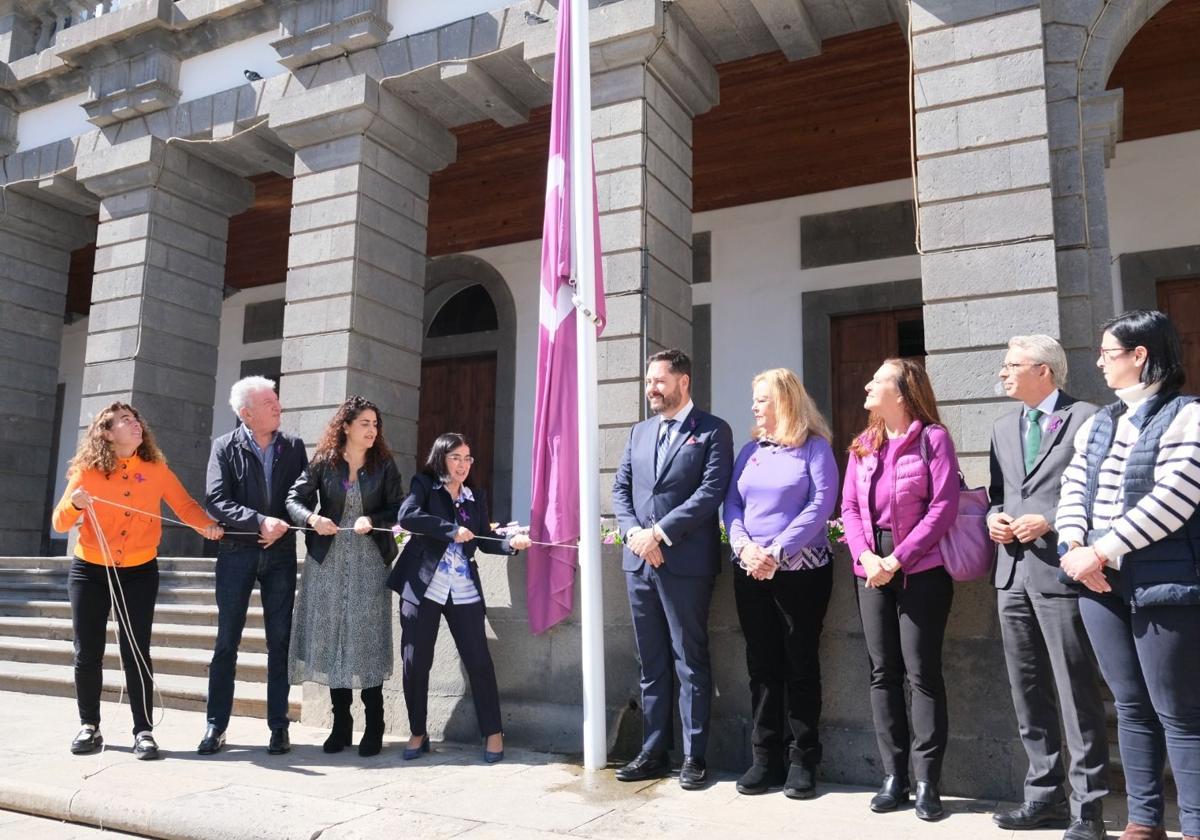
[781, 619]
[904, 624]
[418, 636]
[87, 586]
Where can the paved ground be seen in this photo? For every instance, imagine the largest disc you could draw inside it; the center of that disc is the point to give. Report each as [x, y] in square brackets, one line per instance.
[245, 793]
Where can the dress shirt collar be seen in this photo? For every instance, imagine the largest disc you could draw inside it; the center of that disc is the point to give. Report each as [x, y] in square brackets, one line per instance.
[679, 418]
[1046, 406]
[464, 493]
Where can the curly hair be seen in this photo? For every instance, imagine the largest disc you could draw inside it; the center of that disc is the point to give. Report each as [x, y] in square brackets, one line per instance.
[96, 452]
[332, 444]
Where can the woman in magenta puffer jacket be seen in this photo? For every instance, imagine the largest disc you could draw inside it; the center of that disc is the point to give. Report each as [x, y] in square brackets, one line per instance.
[899, 498]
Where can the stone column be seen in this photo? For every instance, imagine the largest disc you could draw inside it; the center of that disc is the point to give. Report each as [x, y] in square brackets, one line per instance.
[36, 240]
[1084, 126]
[356, 260]
[649, 81]
[988, 272]
[986, 216]
[156, 297]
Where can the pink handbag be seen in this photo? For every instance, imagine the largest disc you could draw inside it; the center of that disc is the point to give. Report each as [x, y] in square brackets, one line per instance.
[967, 551]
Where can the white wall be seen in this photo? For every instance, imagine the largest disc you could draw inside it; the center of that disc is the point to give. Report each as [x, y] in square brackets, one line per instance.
[221, 69]
[1153, 192]
[520, 265]
[757, 285]
[231, 352]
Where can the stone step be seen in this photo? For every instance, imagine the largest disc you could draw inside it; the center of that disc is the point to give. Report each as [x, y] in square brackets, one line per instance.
[45, 590]
[18, 578]
[178, 692]
[189, 662]
[12, 604]
[172, 564]
[196, 636]
[166, 564]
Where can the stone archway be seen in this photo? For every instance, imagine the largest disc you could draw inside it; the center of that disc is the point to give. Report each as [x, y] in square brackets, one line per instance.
[446, 277]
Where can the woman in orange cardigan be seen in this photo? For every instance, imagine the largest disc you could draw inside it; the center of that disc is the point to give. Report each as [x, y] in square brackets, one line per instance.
[118, 461]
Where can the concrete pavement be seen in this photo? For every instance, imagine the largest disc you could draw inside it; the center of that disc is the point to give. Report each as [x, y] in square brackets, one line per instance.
[245, 793]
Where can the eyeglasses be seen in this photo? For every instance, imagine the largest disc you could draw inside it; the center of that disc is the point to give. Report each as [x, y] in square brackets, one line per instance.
[1010, 367]
[1110, 353]
[461, 459]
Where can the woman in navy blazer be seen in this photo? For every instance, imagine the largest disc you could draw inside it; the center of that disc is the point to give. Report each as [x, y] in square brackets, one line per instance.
[437, 575]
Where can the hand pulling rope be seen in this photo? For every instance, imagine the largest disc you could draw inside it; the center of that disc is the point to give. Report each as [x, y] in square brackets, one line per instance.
[310, 528]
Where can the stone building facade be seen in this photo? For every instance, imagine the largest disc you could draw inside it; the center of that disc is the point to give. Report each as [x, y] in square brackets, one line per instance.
[1012, 121]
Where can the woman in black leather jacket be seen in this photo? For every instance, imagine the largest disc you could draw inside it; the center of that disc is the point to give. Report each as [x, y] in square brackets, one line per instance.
[342, 634]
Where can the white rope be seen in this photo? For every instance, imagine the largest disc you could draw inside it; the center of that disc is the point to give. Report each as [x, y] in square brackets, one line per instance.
[310, 528]
[123, 625]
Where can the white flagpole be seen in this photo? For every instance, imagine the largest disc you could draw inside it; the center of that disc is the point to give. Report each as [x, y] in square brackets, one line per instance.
[595, 729]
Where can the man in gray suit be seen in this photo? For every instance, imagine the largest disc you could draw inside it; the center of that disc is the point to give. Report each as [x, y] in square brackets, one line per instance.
[1045, 645]
[666, 494]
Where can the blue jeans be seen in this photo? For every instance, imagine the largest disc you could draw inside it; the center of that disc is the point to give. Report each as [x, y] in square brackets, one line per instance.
[1148, 659]
[238, 568]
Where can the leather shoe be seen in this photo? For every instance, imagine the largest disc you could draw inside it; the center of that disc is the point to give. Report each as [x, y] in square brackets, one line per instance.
[928, 804]
[645, 766]
[892, 794]
[144, 747]
[693, 774]
[1082, 828]
[280, 742]
[760, 778]
[212, 741]
[87, 740]
[1033, 815]
[1137, 831]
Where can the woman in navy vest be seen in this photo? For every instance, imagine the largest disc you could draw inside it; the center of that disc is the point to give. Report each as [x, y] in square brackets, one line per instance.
[1130, 534]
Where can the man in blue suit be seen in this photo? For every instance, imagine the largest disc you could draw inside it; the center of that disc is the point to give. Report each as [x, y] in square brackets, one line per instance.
[666, 496]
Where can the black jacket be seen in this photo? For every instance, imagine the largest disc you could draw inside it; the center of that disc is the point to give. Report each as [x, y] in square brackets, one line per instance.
[429, 514]
[235, 487]
[381, 495]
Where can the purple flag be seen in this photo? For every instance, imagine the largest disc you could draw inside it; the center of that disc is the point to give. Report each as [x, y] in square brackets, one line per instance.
[554, 515]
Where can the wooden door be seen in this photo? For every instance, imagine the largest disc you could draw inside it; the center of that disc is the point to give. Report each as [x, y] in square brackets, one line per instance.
[459, 395]
[858, 344]
[1180, 299]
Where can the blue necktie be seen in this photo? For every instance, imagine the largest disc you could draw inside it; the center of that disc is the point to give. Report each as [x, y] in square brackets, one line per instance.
[664, 440]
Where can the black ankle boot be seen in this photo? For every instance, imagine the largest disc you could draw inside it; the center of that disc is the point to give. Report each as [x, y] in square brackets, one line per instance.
[892, 794]
[801, 780]
[372, 739]
[342, 734]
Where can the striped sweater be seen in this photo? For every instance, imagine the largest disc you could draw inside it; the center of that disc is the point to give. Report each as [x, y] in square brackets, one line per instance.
[1164, 510]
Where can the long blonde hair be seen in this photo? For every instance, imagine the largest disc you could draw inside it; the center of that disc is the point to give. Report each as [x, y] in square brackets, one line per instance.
[796, 415]
[96, 452]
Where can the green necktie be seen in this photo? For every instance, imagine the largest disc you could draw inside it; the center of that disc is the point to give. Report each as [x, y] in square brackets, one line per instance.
[1033, 438]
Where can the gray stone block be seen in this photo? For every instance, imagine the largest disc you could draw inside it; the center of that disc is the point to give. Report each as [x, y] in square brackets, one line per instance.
[984, 322]
[978, 39]
[1012, 117]
[964, 376]
[982, 171]
[981, 78]
[1069, 222]
[991, 219]
[932, 14]
[863, 233]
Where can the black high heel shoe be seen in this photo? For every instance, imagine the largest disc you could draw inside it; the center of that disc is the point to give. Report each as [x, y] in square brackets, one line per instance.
[415, 752]
[492, 757]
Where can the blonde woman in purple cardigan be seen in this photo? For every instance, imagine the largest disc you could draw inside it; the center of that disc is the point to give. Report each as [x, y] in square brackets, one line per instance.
[784, 487]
